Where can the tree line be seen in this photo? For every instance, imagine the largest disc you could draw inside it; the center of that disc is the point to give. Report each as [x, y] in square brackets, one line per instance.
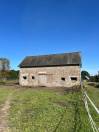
[11, 74]
[5, 72]
[86, 76]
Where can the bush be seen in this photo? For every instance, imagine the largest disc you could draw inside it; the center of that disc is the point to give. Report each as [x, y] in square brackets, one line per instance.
[9, 75]
[13, 74]
[94, 78]
[2, 82]
[97, 85]
[85, 75]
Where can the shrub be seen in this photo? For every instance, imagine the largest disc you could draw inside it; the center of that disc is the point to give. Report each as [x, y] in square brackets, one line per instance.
[97, 85]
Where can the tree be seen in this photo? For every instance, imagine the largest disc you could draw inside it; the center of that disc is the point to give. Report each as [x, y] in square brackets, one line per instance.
[85, 75]
[94, 78]
[13, 74]
[4, 64]
[4, 75]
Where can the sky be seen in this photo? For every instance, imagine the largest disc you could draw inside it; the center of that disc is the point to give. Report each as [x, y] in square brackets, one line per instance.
[36, 27]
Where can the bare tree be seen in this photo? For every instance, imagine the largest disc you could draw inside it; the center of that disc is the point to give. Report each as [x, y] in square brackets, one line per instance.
[5, 64]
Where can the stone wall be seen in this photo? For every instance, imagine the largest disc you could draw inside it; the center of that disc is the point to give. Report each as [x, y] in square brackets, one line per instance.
[50, 76]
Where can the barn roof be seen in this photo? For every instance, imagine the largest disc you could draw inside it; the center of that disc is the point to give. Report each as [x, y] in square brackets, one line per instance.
[73, 58]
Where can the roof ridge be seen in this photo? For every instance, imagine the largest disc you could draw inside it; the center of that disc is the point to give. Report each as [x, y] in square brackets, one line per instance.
[55, 54]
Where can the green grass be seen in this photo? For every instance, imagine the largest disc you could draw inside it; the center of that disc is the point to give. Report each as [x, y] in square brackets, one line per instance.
[39, 110]
[34, 110]
[47, 111]
[4, 92]
[94, 95]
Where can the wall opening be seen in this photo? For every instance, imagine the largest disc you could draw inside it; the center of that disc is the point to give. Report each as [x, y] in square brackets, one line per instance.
[74, 78]
[63, 78]
[33, 77]
[24, 77]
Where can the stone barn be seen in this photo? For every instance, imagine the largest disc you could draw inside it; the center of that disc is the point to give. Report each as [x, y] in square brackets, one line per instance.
[56, 70]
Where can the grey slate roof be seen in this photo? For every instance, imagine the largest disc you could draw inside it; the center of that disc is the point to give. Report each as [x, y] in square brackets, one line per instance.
[73, 58]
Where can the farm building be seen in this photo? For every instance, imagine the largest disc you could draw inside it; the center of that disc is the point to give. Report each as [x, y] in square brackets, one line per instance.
[56, 70]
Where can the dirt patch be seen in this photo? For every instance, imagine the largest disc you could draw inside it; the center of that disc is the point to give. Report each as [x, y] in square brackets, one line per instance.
[60, 103]
[56, 89]
[4, 114]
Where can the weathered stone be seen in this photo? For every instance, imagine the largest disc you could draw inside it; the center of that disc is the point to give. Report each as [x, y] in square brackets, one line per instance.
[59, 76]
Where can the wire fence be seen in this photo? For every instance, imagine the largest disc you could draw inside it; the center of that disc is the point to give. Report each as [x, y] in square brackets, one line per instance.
[86, 98]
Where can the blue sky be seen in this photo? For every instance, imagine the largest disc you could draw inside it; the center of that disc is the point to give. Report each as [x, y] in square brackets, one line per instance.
[33, 27]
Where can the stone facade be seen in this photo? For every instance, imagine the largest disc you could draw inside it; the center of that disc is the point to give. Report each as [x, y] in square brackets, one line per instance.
[59, 76]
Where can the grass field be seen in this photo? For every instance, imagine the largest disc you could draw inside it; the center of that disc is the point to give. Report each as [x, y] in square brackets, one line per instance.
[44, 110]
[94, 95]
